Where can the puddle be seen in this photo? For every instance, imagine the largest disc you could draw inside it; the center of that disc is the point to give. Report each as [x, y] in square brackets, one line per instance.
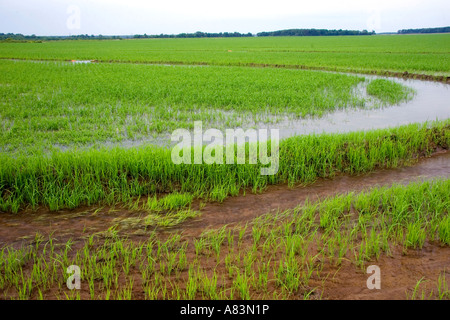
[81, 61]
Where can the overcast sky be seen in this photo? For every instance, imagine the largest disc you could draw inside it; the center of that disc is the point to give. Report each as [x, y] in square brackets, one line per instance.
[114, 17]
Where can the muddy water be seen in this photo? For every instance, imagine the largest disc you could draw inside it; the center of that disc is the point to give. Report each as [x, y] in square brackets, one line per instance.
[281, 197]
[431, 102]
[79, 223]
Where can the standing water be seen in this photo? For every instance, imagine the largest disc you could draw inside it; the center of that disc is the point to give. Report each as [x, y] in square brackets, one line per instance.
[431, 102]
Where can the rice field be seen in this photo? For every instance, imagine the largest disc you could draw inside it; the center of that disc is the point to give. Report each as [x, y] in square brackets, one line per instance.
[48, 105]
[419, 54]
[76, 191]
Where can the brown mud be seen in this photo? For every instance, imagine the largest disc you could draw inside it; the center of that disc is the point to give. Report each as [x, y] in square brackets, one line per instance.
[20, 228]
[399, 275]
[282, 197]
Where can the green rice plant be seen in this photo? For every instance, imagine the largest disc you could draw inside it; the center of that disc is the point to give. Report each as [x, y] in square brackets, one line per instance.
[343, 243]
[175, 201]
[200, 245]
[249, 260]
[38, 239]
[209, 286]
[256, 232]
[182, 260]
[415, 291]
[169, 219]
[215, 239]
[107, 294]
[444, 230]
[230, 267]
[86, 177]
[308, 294]
[388, 91]
[91, 285]
[70, 110]
[372, 245]
[263, 275]
[295, 244]
[385, 246]
[192, 284]
[25, 288]
[359, 255]
[73, 295]
[415, 235]
[230, 239]
[288, 274]
[151, 204]
[125, 293]
[151, 292]
[311, 266]
[241, 234]
[241, 284]
[288, 253]
[176, 293]
[134, 204]
[443, 290]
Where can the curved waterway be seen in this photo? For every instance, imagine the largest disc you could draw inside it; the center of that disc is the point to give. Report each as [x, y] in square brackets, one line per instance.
[431, 102]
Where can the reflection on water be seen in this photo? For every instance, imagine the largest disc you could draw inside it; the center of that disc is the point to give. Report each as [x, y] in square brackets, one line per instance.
[431, 102]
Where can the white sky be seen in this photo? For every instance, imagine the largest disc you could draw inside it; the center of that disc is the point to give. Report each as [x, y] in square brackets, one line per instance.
[114, 17]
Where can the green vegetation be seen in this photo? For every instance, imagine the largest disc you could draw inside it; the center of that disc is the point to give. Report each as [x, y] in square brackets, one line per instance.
[288, 255]
[74, 177]
[43, 105]
[425, 30]
[292, 32]
[61, 123]
[20, 37]
[388, 92]
[314, 32]
[424, 54]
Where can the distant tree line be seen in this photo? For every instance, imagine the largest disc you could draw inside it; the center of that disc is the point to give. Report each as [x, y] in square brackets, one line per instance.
[18, 37]
[197, 34]
[425, 30]
[314, 32]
